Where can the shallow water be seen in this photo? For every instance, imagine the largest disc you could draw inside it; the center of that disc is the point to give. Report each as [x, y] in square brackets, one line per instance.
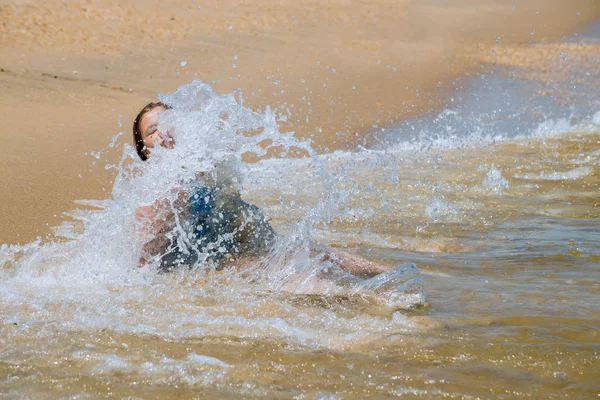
[503, 225]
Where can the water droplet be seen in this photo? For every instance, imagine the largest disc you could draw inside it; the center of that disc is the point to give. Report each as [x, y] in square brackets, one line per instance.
[235, 57]
[183, 63]
[532, 32]
[497, 40]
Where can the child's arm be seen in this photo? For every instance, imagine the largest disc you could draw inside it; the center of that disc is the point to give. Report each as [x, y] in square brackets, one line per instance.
[154, 221]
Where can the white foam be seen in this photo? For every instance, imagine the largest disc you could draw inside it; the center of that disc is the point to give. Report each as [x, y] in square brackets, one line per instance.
[478, 134]
[439, 210]
[206, 360]
[574, 174]
[596, 118]
[494, 180]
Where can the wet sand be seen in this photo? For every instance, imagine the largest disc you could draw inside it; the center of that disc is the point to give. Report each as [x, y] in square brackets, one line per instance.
[74, 75]
[565, 72]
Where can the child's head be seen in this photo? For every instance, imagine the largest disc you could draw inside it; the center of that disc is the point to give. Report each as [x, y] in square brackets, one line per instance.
[145, 130]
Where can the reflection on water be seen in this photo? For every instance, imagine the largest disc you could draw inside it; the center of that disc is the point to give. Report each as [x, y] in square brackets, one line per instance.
[504, 230]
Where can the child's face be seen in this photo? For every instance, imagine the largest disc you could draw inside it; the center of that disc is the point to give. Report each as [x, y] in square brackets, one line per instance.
[151, 135]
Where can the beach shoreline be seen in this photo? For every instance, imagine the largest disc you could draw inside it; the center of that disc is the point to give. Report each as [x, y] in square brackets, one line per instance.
[74, 75]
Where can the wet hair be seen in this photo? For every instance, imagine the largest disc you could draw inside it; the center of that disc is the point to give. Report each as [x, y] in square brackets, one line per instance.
[138, 140]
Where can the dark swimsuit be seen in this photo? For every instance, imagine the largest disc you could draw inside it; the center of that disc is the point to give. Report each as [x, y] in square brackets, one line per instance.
[219, 225]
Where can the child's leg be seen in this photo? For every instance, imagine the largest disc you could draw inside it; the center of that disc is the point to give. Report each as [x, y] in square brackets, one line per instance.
[352, 263]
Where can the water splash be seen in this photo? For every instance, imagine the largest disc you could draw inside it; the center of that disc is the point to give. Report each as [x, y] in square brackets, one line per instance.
[213, 134]
[85, 277]
[439, 210]
[494, 180]
[573, 174]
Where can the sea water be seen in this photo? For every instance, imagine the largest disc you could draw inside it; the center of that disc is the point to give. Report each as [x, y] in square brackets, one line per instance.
[501, 218]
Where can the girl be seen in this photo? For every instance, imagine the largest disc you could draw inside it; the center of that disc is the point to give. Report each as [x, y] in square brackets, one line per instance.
[224, 228]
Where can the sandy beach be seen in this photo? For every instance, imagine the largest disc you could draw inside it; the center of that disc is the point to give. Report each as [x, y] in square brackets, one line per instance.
[73, 75]
[455, 142]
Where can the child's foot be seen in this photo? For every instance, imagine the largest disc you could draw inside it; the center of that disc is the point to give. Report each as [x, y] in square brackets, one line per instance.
[400, 286]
